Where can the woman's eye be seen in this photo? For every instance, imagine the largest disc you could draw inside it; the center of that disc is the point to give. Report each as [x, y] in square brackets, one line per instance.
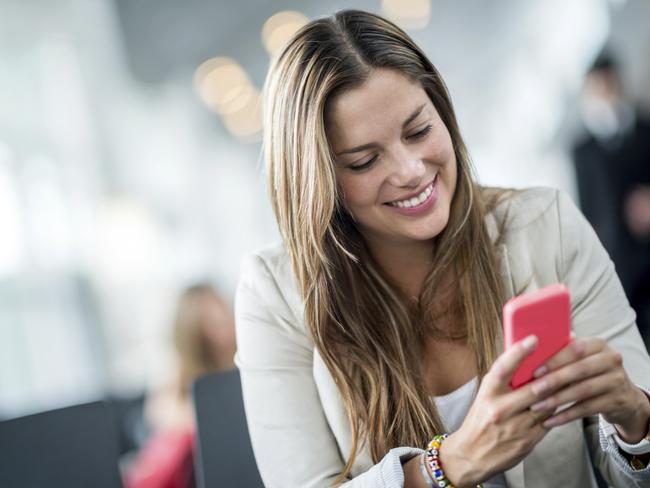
[362, 166]
[418, 135]
[421, 133]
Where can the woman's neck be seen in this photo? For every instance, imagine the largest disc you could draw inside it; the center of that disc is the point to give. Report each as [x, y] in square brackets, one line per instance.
[407, 264]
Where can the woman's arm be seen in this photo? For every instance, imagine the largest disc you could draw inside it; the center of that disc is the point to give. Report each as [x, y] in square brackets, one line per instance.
[600, 309]
[292, 440]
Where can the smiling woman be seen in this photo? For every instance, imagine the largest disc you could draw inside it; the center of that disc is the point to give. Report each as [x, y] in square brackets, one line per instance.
[409, 168]
[375, 327]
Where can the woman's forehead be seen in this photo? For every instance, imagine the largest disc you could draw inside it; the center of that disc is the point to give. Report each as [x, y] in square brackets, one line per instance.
[384, 101]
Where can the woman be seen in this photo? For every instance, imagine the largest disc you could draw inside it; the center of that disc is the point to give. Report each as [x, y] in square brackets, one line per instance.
[204, 342]
[376, 326]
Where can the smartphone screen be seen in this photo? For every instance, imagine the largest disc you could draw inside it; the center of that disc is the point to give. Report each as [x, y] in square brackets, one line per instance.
[545, 313]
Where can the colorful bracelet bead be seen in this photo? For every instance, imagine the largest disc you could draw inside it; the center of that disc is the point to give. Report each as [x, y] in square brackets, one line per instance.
[433, 460]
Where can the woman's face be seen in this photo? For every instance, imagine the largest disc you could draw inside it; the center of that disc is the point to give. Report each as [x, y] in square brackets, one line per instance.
[395, 161]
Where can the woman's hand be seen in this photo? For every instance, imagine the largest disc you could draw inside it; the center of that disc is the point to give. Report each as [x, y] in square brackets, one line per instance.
[499, 429]
[590, 373]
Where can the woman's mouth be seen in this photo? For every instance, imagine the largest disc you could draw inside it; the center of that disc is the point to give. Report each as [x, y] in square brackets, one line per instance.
[418, 200]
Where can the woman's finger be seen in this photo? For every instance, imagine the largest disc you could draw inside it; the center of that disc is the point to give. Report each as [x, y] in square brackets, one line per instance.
[542, 388]
[586, 408]
[578, 392]
[530, 424]
[521, 399]
[572, 352]
[590, 366]
[507, 363]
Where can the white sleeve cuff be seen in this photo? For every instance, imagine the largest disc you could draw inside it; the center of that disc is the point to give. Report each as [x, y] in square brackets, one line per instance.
[609, 444]
[392, 472]
[387, 473]
[642, 447]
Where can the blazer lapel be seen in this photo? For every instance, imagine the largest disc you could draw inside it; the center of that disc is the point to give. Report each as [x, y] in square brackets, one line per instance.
[506, 275]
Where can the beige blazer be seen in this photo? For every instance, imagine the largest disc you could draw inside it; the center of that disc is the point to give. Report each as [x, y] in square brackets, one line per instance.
[296, 419]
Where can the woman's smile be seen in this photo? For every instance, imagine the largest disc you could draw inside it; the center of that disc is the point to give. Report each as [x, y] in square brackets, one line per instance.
[421, 202]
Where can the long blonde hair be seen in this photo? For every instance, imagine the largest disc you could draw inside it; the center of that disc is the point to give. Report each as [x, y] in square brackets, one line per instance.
[368, 333]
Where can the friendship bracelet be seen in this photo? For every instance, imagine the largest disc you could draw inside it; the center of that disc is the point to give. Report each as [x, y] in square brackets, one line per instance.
[433, 458]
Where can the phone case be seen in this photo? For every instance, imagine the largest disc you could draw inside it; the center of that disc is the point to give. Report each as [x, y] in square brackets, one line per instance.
[545, 313]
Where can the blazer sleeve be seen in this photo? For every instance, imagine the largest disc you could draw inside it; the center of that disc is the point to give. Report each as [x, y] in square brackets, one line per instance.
[600, 308]
[291, 438]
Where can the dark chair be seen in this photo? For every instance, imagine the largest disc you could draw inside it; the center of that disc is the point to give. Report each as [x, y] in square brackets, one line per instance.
[132, 426]
[72, 447]
[224, 454]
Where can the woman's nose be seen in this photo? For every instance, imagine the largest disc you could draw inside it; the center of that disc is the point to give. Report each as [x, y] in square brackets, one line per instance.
[407, 168]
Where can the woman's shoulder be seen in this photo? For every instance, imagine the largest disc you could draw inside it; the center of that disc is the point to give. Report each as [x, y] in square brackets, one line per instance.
[527, 209]
[268, 271]
[272, 256]
[540, 230]
[519, 206]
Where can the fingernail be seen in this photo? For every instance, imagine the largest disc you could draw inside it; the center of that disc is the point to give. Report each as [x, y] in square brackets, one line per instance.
[578, 347]
[538, 387]
[542, 370]
[530, 342]
[550, 422]
[538, 406]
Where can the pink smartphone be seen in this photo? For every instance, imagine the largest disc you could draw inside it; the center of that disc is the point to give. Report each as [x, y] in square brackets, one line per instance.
[545, 313]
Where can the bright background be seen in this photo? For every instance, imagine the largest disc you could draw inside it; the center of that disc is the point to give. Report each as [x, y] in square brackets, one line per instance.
[130, 157]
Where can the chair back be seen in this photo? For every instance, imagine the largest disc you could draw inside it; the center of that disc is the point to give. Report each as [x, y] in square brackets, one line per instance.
[224, 454]
[73, 447]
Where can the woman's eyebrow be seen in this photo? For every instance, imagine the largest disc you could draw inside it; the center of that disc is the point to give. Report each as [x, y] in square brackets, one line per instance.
[413, 116]
[370, 145]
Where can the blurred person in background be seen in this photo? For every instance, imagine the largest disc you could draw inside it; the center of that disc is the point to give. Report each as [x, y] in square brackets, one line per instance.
[612, 163]
[204, 342]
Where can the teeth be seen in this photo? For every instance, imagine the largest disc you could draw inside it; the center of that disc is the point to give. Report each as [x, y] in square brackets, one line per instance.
[413, 202]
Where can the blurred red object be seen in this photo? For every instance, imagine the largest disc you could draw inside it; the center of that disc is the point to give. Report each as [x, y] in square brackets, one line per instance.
[164, 462]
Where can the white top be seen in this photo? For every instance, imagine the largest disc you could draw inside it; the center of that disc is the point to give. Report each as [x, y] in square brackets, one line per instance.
[453, 408]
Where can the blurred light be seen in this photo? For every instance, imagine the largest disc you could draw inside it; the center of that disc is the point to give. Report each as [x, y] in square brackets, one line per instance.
[128, 241]
[225, 87]
[411, 14]
[242, 97]
[279, 28]
[247, 122]
[222, 84]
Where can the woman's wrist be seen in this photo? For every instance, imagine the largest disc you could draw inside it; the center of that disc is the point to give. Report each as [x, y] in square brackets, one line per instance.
[460, 470]
[637, 425]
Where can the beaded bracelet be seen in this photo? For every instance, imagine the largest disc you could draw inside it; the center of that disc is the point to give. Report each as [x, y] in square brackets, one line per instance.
[433, 458]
